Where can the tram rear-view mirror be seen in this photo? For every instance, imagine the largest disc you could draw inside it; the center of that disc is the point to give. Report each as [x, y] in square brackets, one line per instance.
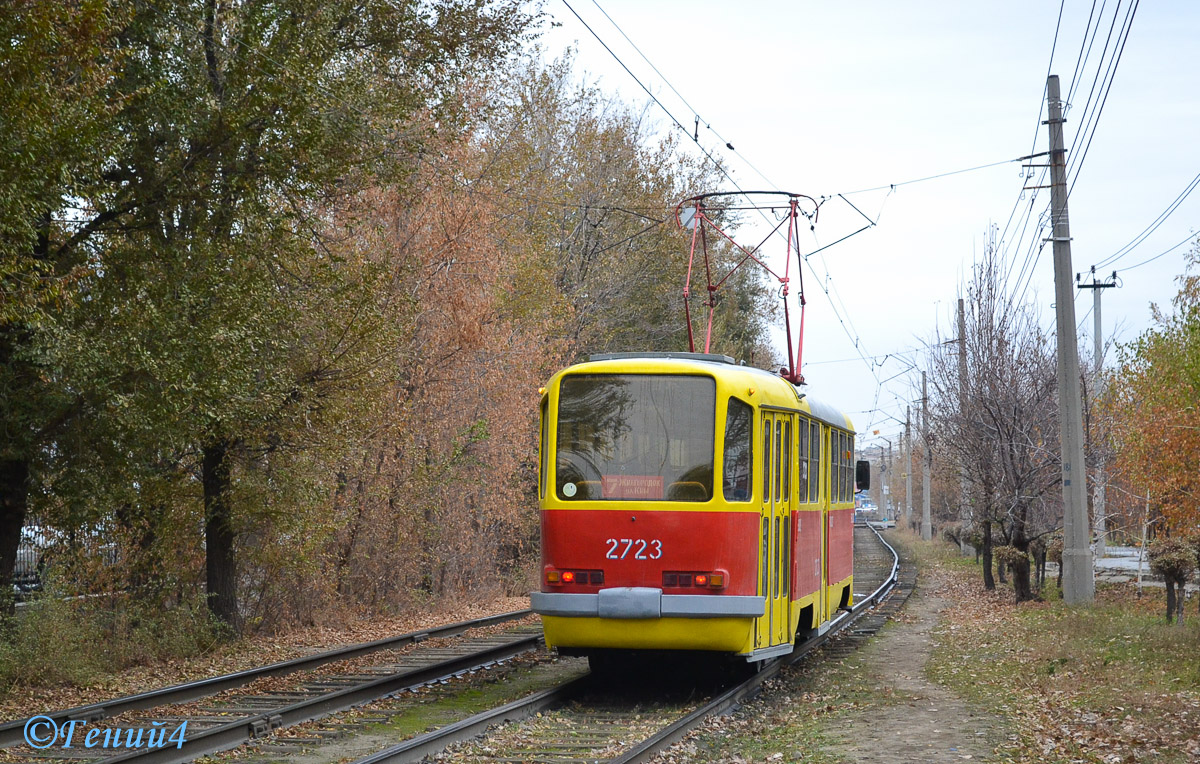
[862, 474]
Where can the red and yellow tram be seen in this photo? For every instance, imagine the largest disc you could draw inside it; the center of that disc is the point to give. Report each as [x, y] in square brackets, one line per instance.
[689, 503]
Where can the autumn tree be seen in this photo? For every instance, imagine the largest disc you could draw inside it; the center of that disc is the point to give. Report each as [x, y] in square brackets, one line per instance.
[1155, 409]
[56, 126]
[510, 248]
[998, 424]
[592, 186]
[213, 334]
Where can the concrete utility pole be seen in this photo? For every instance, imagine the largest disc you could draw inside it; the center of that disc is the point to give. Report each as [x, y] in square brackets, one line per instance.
[907, 467]
[926, 522]
[1079, 583]
[964, 513]
[891, 515]
[883, 476]
[1098, 508]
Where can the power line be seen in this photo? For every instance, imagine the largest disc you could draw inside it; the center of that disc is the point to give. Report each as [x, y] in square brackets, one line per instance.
[652, 96]
[1187, 239]
[856, 341]
[1004, 244]
[1081, 59]
[1096, 78]
[1007, 246]
[932, 177]
[879, 360]
[1125, 250]
[1037, 125]
[1090, 120]
[699, 119]
[1111, 74]
[1054, 45]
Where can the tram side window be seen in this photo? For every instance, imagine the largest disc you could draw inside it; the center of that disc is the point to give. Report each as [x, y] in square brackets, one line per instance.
[845, 467]
[786, 462]
[778, 558]
[545, 447]
[785, 570]
[841, 466]
[834, 467]
[766, 558]
[739, 447]
[814, 470]
[848, 453]
[848, 462]
[850, 465]
[802, 478]
[778, 457]
[766, 461]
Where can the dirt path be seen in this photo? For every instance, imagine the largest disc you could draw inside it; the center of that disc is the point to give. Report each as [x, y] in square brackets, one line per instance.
[920, 721]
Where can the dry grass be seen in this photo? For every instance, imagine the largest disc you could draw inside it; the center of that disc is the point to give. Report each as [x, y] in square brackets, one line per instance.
[1108, 683]
[36, 689]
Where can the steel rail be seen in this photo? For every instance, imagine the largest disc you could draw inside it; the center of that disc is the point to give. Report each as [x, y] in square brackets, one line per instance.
[244, 729]
[430, 743]
[733, 697]
[433, 742]
[12, 733]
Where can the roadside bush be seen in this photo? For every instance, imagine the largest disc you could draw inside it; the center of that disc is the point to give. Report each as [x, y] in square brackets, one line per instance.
[1175, 560]
[1009, 555]
[953, 533]
[55, 641]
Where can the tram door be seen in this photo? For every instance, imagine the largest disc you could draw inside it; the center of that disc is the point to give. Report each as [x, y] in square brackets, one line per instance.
[819, 451]
[782, 526]
[778, 453]
[765, 629]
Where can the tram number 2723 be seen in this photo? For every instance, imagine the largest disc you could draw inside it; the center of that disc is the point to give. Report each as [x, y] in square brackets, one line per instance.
[642, 549]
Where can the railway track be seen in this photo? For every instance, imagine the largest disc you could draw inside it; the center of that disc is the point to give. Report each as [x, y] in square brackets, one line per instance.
[578, 722]
[568, 722]
[217, 718]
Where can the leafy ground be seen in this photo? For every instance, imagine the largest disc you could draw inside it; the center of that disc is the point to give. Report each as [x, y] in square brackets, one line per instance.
[963, 674]
[1109, 683]
[33, 694]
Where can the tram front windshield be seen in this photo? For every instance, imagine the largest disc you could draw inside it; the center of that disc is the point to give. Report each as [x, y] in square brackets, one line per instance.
[643, 437]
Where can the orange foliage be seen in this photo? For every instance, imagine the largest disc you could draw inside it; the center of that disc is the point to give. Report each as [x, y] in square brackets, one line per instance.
[1154, 399]
[437, 501]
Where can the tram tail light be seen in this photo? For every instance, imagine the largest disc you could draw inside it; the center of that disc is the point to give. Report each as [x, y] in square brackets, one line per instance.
[673, 579]
[588, 577]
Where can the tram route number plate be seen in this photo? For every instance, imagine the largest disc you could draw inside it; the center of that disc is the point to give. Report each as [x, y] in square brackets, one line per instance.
[638, 549]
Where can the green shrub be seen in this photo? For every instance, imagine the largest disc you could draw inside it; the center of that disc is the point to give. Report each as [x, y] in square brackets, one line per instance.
[56, 641]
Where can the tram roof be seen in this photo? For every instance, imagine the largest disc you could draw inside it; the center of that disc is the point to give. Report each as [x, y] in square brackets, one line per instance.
[719, 365]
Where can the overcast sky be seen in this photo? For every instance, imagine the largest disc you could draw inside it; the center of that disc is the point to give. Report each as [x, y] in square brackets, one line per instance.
[833, 97]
